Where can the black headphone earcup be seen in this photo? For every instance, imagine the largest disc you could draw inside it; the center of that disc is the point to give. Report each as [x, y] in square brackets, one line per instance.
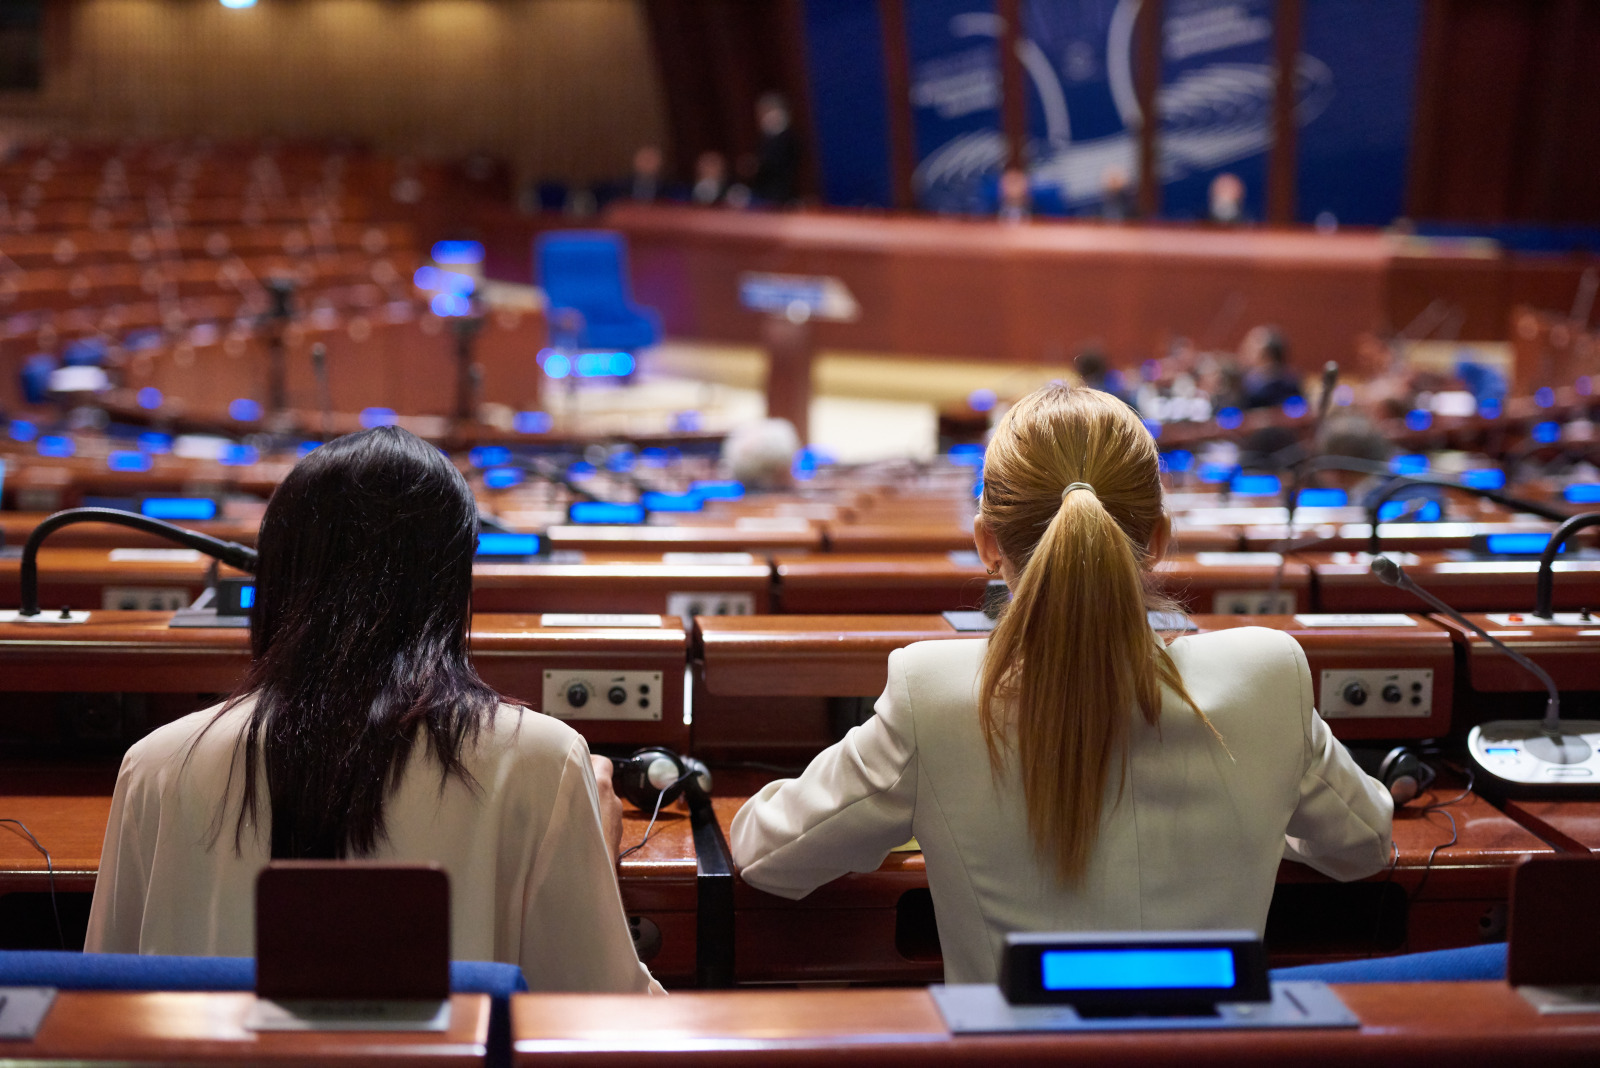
[1405, 774]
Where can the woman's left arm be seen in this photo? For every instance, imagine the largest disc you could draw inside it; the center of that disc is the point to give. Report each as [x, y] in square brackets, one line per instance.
[845, 812]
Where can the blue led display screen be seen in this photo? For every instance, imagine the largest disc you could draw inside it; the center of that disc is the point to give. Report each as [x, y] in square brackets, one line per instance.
[1323, 498]
[673, 502]
[247, 596]
[728, 490]
[1518, 544]
[1256, 485]
[1430, 512]
[1583, 493]
[604, 512]
[171, 508]
[1137, 969]
[501, 543]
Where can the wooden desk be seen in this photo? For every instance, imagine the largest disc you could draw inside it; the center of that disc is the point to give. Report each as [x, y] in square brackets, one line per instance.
[765, 683]
[887, 536]
[1569, 654]
[879, 926]
[67, 810]
[1393, 537]
[841, 583]
[1226, 583]
[184, 1028]
[83, 578]
[16, 526]
[616, 582]
[138, 653]
[1465, 1024]
[1345, 583]
[1574, 825]
[686, 539]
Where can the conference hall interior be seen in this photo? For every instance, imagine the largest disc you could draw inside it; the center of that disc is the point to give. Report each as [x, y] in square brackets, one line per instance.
[735, 323]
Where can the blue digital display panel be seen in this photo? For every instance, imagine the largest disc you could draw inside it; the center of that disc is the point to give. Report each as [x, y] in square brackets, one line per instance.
[1485, 478]
[728, 490]
[1517, 544]
[1428, 513]
[1178, 460]
[1137, 969]
[604, 512]
[127, 460]
[1323, 498]
[174, 508]
[1216, 472]
[247, 596]
[1583, 493]
[489, 456]
[1409, 464]
[502, 477]
[1256, 485]
[55, 445]
[504, 543]
[672, 502]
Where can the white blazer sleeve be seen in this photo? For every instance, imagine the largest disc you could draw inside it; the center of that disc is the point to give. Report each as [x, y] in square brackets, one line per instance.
[116, 916]
[849, 808]
[574, 931]
[1342, 823]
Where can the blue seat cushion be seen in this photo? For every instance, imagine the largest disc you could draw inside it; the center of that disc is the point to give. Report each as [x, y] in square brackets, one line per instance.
[1442, 965]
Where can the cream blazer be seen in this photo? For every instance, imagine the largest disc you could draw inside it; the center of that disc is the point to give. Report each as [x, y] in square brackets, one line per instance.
[531, 879]
[1193, 842]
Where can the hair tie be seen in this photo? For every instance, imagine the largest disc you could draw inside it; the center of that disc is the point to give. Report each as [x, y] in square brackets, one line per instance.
[1077, 486]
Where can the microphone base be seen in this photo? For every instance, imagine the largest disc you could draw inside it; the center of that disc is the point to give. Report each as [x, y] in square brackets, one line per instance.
[1516, 758]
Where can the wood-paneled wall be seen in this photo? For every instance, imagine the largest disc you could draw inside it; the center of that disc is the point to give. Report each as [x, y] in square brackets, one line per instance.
[561, 88]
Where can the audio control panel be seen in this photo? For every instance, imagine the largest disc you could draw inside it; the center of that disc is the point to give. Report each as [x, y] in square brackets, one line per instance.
[579, 694]
[1375, 693]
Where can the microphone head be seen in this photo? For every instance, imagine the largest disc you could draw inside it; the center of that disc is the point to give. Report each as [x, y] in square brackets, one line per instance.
[1330, 374]
[1387, 570]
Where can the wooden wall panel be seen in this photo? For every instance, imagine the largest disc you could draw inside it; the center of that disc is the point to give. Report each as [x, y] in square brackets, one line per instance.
[561, 88]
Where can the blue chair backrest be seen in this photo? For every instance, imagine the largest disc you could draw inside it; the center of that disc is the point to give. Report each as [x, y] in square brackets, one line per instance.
[584, 269]
[132, 971]
[36, 377]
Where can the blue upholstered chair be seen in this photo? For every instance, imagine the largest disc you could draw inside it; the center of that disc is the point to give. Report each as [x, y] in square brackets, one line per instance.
[584, 274]
[131, 971]
[1487, 962]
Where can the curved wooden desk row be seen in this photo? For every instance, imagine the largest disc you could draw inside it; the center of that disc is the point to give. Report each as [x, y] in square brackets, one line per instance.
[1467, 1024]
[810, 583]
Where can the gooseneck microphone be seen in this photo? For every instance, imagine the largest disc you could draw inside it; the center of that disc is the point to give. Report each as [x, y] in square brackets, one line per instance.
[1544, 584]
[1330, 379]
[231, 553]
[1505, 740]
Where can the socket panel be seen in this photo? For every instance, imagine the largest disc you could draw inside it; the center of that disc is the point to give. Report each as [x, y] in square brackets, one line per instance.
[1254, 603]
[1374, 693]
[710, 603]
[145, 598]
[636, 696]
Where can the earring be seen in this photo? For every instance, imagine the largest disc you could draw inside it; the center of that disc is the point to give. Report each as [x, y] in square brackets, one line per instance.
[991, 571]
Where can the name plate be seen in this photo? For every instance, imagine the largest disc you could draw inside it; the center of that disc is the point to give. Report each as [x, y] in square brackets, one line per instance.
[1238, 559]
[579, 619]
[1374, 619]
[709, 559]
[155, 556]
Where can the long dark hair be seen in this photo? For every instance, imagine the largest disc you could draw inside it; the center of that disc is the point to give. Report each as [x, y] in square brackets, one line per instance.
[358, 636]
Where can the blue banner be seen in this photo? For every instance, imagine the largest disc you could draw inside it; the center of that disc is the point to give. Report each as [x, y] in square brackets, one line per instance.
[1351, 160]
[849, 101]
[955, 97]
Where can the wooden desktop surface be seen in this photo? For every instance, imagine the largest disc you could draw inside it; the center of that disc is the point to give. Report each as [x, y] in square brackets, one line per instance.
[208, 1028]
[1480, 1023]
[1569, 654]
[1345, 583]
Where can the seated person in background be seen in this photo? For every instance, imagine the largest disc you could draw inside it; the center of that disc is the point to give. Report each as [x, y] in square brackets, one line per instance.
[1071, 772]
[761, 454]
[1016, 196]
[710, 179]
[1270, 380]
[1096, 373]
[362, 730]
[1225, 200]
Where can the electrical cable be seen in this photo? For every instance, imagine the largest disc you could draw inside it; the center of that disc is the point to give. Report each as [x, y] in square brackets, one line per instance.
[649, 827]
[50, 868]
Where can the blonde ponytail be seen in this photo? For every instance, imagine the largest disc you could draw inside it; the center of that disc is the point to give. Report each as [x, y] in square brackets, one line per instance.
[1072, 494]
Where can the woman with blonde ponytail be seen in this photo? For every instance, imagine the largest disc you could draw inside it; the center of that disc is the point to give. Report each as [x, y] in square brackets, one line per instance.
[1072, 771]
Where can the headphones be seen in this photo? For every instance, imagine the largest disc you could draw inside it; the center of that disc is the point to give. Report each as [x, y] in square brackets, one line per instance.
[1401, 770]
[654, 775]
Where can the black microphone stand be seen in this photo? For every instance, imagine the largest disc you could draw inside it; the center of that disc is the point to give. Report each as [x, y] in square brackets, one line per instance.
[1544, 585]
[231, 553]
[1400, 482]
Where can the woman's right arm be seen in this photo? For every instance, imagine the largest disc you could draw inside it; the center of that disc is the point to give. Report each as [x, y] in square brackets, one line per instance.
[575, 933]
[1343, 821]
[116, 916]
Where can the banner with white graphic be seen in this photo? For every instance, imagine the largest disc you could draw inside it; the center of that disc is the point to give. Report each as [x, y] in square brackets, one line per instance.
[955, 102]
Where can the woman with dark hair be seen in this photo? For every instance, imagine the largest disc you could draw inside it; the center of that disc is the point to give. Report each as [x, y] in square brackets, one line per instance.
[362, 730]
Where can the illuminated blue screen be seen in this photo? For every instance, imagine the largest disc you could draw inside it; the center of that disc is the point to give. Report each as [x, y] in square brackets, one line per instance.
[728, 490]
[673, 502]
[1178, 460]
[489, 456]
[1409, 464]
[247, 596]
[1256, 485]
[178, 508]
[501, 543]
[1489, 478]
[1583, 493]
[1138, 969]
[1428, 513]
[604, 512]
[127, 460]
[55, 445]
[1525, 544]
[502, 477]
[1323, 498]
[1216, 472]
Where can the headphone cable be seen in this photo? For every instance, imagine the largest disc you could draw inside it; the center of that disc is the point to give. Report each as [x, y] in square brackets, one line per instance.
[660, 797]
[50, 868]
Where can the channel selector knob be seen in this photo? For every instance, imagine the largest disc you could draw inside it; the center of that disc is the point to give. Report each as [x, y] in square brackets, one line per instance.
[616, 695]
[1392, 694]
[1355, 693]
[577, 695]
